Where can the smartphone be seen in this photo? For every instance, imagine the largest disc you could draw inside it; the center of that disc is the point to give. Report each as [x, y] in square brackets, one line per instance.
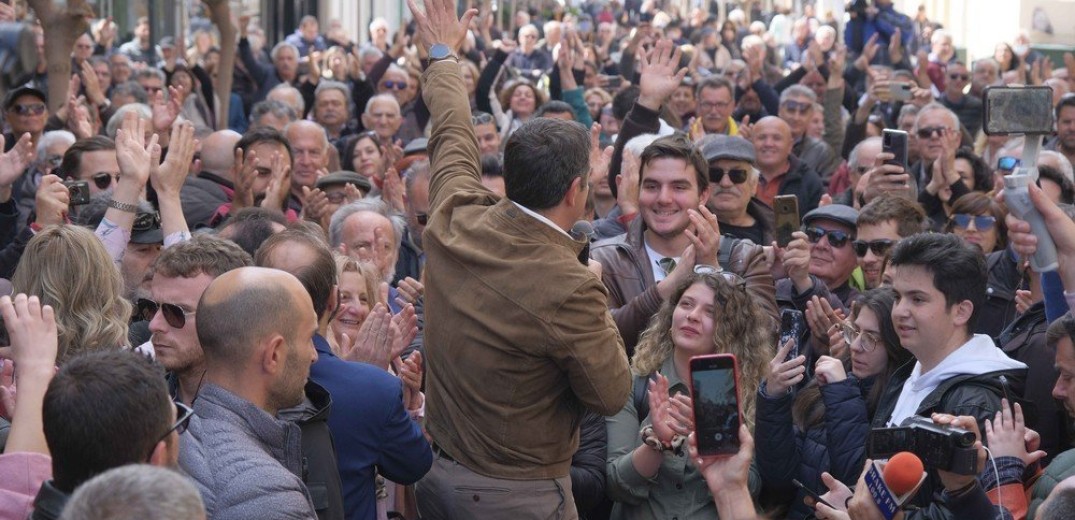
[810, 492]
[786, 208]
[792, 327]
[614, 82]
[901, 91]
[895, 143]
[715, 397]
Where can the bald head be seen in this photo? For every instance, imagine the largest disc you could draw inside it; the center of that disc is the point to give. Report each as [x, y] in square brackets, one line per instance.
[772, 143]
[264, 301]
[218, 152]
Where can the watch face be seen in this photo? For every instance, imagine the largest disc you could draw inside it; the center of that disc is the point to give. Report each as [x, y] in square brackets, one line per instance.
[439, 51]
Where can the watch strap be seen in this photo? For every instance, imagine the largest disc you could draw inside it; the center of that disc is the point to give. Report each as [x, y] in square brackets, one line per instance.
[122, 206]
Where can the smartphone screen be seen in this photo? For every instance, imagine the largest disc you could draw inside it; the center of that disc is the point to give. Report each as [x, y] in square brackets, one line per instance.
[895, 143]
[715, 397]
[786, 210]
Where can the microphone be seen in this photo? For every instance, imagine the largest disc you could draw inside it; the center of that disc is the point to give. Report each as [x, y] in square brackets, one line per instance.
[583, 229]
[903, 472]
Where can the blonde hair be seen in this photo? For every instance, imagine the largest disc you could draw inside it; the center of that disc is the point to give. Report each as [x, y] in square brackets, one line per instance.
[68, 268]
[744, 332]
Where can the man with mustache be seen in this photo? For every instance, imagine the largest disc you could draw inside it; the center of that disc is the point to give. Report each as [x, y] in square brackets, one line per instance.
[734, 180]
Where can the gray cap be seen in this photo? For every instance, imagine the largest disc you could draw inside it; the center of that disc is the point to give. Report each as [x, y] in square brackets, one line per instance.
[345, 177]
[835, 212]
[720, 146]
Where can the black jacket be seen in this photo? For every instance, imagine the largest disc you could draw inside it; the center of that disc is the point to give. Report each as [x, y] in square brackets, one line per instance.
[1004, 279]
[319, 470]
[802, 182]
[588, 467]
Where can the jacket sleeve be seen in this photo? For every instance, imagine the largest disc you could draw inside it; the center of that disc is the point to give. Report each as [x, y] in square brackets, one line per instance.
[258, 71]
[752, 267]
[632, 317]
[640, 120]
[486, 80]
[405, 456]
[768, 97]
[847, 428]
[10, 255]
[834, 121]
[777, 452]
[454, 160]
[589, 349]
[574, 98]
[588, 463]
[625, 484]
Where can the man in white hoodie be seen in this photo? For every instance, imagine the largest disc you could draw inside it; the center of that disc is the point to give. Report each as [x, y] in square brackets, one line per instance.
[940, 284]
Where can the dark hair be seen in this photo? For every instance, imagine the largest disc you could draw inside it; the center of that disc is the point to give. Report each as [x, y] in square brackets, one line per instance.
[103, 410]
[1062, 327]
[958, 269]
[249, 227]
[623, 101]
[542, 158]
[1067, 100]
[713, 83]
[263, 134]
[491, 166]
[977, 203]
[72, 158]
[676, 146]
[555, 107]
[909, 216]
[983, 174]
[1067, 189]
[203, 253]
[347, 158]
[130, 88]
[318, 275]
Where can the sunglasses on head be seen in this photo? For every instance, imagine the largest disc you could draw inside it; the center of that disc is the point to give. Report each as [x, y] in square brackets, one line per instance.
[932, 131]
[31, 109]
[738, 175]
[395, 85]
[981, 222]
[796, 106]
[174, 315]
[146, 221]
[103, 180]
[837, 238]
[730, 277]
[879, 247]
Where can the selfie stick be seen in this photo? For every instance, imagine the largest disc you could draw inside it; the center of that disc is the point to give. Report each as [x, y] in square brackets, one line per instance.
[1017, 197]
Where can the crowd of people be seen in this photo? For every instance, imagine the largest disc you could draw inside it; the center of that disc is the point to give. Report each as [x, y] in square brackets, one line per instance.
[460, 270]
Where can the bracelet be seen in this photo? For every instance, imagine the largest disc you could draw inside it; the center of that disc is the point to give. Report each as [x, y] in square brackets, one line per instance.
[122, 206]
[649, 438]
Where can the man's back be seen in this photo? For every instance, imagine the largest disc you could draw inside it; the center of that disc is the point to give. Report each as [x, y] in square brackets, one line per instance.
[518, 337]
[244, 462]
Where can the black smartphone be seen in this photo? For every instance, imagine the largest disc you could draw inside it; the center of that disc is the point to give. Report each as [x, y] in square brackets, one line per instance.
[895, 143]
[810, 493]
[792, 327]
[715, 397]
[786, 209]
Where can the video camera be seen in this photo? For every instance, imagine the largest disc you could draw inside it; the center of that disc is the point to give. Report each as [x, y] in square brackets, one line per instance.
[940, 447]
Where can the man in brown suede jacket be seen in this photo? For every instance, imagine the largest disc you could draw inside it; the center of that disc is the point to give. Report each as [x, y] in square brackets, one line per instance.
[518, 336]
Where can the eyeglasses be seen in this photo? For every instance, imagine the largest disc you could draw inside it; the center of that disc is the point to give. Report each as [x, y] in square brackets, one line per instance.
[146, 221]
[867, 340]
[707, 105]
[395, 85]
[173, 314]
[26, 110]
[738, 175]
[837, 238]
[932, 131]
[421, 218]
[183, 414]
[796, 107]
[879, 247]
[482, 118]
[981, 222]
[728, 276]
[336, 197]
[103, 180]
[151, 90]
[959, 77]
[1007, 163]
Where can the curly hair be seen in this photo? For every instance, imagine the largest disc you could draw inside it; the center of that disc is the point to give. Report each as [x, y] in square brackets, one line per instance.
[68, 268]
[745, 333]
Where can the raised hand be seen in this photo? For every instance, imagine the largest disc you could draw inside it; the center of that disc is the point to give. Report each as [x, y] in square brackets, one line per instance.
[168, 178]
[410, 371]
[822, 319]
[15, 161]
[279, 188]
[78, 118]
[795, 258]
[166, 111]
[31, 330]
[438, 24]
[405, 325]
[51, 201]
[315, 205]
[660, 408]
[723, 473]
[245, 172]
[94, 92]
[895, 46]
[869, 50]
[704, 234]
[660, 74]
[375, 339]
[1007, 434]
[392, 193]
[784, 375]
[838, 495]
[829, 370]
[132, 151]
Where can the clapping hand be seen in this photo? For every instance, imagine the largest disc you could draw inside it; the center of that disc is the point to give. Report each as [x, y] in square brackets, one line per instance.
[14, 161]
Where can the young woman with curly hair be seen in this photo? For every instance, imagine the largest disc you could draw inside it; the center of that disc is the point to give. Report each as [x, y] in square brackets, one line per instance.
[710, 313]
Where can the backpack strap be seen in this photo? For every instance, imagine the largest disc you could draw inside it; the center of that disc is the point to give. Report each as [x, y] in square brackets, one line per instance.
[639, 397]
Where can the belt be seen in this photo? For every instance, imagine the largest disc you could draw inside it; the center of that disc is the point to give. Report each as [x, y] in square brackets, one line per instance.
[438, 451]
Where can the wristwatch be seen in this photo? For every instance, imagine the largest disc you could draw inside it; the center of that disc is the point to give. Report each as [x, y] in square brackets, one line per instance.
[440, 51]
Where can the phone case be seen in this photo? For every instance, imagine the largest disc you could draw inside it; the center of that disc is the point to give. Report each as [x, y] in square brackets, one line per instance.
[786, 210]
[895, 143]
[711, 415]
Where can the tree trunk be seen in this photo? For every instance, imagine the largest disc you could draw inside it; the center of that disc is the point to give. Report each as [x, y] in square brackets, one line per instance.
[62, 26]
[220, 12]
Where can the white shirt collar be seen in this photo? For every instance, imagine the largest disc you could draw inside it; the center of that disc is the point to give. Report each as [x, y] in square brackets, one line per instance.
[541, 218]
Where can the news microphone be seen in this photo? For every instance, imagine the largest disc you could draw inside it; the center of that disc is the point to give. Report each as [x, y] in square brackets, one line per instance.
[583, 229]
[893, 486]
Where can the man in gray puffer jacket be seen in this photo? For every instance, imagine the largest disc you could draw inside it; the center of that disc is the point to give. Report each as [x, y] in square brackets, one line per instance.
[246, 462]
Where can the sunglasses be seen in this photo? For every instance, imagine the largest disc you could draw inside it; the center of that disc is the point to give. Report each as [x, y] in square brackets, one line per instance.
[421, 218]
[981, 222]
[837, 238]
[796, 106]
[716, 174]
[395, 85]
[481, 119]
[183, 414]
[932, 131]
[728, 276]
[26, 110]
[103, 180]
[1007, 163]
[879, 247]
[959, 77]
[174, 315]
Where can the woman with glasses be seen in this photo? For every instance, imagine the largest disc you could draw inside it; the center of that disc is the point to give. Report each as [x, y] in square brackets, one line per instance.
[979, 220]
[824, 427]
[710, 313]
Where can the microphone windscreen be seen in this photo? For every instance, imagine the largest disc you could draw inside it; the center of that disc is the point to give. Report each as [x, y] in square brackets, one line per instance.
[582, 229]
[903, 472]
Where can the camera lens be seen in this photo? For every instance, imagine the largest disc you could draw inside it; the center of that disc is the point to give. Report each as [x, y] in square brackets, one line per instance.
[963, 439]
